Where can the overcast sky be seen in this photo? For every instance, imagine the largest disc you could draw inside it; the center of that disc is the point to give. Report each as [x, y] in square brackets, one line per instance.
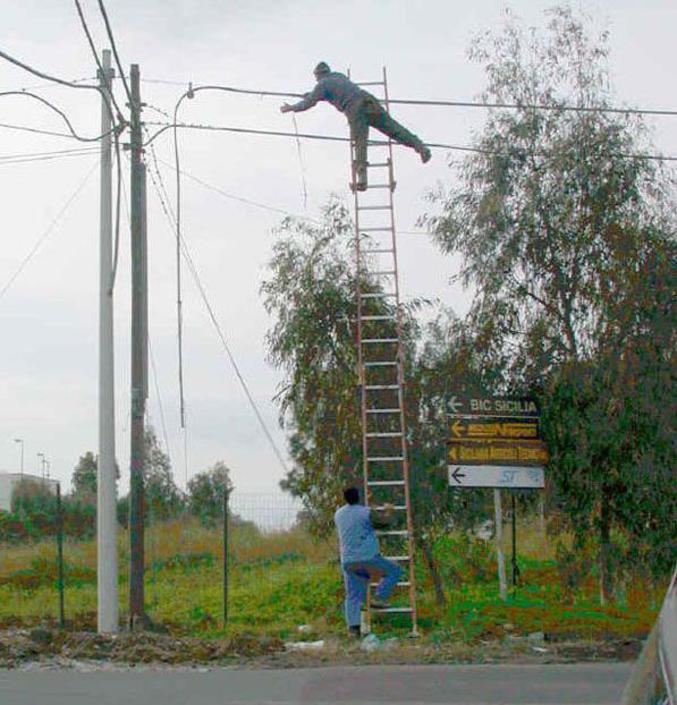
[48, 317]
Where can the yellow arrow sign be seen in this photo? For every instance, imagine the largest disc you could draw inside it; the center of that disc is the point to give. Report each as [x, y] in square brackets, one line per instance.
[498, 430]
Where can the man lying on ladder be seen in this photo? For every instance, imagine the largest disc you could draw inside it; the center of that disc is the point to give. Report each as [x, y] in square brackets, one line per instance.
[362, 110]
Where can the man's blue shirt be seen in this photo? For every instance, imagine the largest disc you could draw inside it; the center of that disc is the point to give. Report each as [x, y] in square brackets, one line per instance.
[357, 540]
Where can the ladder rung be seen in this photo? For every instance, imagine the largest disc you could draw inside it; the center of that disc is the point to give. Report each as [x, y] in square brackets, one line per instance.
[381, 386]
[384, 411]
[395, 609]
[384, 459]
[379, 295]
[384, 363]
[398, 507]
[385, 434]
[375, 230]
[379, 318]
[371, 83]
[397, 558]
[388, 186]
[385, 483]
[377, 251]
[380, 340]
[378, 164]
[373, 208]
[393, 533]
[404, 583]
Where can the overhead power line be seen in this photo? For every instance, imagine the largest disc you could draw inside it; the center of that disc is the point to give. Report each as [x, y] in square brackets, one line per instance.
[47, 156]
[46, 76]
[205, 299]
[35, 130]
[58, 111]
[48, 231]
[332, 138]
[447, 103]
[534, 106]
[113, 46]
[95, 53]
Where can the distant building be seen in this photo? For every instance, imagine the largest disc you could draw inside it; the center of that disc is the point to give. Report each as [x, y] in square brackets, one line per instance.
[9, 481]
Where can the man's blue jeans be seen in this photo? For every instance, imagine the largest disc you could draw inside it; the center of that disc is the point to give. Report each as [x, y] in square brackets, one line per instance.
[357, 576]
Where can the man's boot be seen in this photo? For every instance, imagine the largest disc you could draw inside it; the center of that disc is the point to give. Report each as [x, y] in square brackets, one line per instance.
[425, 153]
[360, 172]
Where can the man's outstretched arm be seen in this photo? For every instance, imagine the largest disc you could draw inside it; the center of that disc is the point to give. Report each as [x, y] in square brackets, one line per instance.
[308, 100]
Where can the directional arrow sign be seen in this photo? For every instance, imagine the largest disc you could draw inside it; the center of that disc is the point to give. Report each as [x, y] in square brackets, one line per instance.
[466, 452]
[496, 476]
[492, 406]
[453, 405]
[456, 474]
[494, 428]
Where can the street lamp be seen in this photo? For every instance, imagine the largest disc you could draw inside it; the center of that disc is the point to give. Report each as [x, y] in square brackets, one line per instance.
[20, 440]
[42, 464]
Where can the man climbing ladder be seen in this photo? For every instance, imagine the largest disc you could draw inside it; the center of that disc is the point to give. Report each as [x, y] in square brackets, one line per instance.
[363, 110]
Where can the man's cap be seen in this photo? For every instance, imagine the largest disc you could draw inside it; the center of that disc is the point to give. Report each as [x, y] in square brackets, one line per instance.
[321, 68]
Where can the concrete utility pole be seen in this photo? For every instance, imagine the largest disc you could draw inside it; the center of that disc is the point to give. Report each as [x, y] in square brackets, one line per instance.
[139, 357]
[106, 495]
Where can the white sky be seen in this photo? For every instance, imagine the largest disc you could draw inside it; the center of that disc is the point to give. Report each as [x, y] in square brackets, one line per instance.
[48, 318]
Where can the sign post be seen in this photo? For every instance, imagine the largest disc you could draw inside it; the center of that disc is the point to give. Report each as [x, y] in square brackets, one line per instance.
[496, 442]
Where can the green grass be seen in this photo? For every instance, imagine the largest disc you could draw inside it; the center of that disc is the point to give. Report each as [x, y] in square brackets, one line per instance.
[280, 581]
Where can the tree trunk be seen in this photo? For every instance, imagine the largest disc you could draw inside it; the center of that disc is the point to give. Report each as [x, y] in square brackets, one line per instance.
[605, 568]
[431, 564]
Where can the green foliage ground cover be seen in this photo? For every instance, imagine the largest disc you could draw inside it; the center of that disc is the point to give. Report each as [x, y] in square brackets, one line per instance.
[283, 580]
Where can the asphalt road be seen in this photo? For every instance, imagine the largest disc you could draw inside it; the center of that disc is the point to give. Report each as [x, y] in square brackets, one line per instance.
[585, 684]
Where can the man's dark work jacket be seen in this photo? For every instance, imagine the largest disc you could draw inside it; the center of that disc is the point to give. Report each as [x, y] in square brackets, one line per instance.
[336, 89]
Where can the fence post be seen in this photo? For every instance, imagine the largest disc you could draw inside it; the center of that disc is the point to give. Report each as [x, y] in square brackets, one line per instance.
[59, 555]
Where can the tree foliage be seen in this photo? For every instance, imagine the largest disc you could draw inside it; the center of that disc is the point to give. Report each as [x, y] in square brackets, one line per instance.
[162, 496]
[83, 479]
[567, 237]
[206, 492]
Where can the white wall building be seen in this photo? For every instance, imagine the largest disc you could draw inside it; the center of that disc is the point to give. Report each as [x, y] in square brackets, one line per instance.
[10, 480]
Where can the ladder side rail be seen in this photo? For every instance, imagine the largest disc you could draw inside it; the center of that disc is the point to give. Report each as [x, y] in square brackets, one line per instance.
[400, 371]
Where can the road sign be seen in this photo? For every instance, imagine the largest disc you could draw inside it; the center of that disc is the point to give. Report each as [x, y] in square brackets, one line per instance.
[509, 477]
[481, 452]
[494, 428]
[491, 406]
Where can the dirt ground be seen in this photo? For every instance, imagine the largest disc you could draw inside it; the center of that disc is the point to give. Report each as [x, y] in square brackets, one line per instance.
[41, 647]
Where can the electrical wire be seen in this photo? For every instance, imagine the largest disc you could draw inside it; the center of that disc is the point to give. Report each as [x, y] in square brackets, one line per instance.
[48, 231]
[333, 138]
[58, 111]
[113, 45]
[205, 299]
[38, 86]
[46, 76]
[159, 399]
[21, 155]
[95, 53]
[179, 304]
[446, 103]
[536, 106]
[47, 157]
[241, 199]
[34, 130]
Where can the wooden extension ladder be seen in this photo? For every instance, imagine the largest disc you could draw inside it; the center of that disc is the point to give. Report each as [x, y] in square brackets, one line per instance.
[380, 366]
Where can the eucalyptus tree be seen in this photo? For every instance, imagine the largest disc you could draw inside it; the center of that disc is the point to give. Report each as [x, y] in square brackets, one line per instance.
[556, 216]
